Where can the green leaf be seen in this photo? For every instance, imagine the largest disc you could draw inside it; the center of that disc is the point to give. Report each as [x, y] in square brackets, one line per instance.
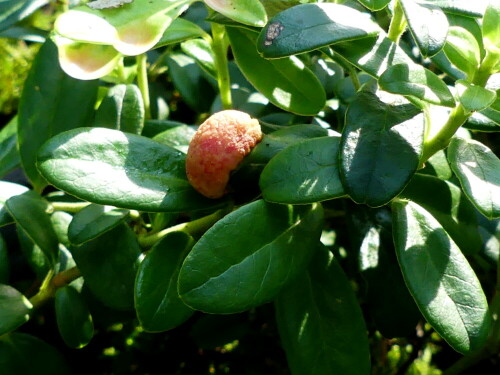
[474, 98]
[73, 318]
[440, 279]
[4, 262]
[248, 12]
[108, 265]
[29, 210]
[287, 83]
[389, 303]
[491, 27]
[371, 171]
[446, 202]
[488, 120]
[113, 168]
[320, 322]
[305, 172]
[9, 156]
[34, 255]
[375, 4]
[8, 190]
[51, 103]
[477, 168]
[201, 51]
[94, 220]
[27, 355]
[157, 302]
[189, 80]
[373, 55]
[14, 309]
[179, 31]
[273, 7]
[13, 11]
[307, 27]
[428, 25]
[471, 25]
[461, 7]
[177, 137]
[121, 109]
[463, 50]
[247, 257]
[417, 81]
[438, 166]
[60, 222]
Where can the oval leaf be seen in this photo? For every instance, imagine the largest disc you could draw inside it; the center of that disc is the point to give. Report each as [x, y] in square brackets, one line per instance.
[14, 309]
[51, 103]
[157, 302]
[477, 168]
[304, 172]
[94, 220]
[229, 273]
[375, 4]
[320, 322]
[440, 279]
[463, 50]
[428, 25]
[7, 190]
[474, 98]
[307, 27]
[108, 265]
[179, 31]
[287, 83]
[29, 210]
[371, 171]
[110, 167]
[417, 81]
[122, 109]
[248, 12]
[73, 317]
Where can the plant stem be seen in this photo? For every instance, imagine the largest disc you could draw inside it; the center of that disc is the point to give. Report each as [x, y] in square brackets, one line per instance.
[69, 207]
[219, 46]
[51, 284]
[398, 23]
[193, 228]
[142, 80]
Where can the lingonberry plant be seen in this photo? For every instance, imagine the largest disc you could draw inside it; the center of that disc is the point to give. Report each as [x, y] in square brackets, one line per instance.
[357, 234]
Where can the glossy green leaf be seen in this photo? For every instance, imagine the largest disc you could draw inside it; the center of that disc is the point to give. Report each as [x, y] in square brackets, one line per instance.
[51, 103]
[474, 98]
[371, 171]
[375, 4]
[428, 25]
[177, 137]
[29, 210]
[444, 64]
[121, 109]
[4, 262]
[320, 322]
[34, 256]
[13, 11]
[463, 50]
[110, 167]
[491, 27]
[9, 156]
[477, 168]
[417, 81]
[179, 31]
[94, 220]
[470, 24]
[27, 355]
[14, 309]
[60, 222]
[446, 202]
[437, 166]
[248, 12]
[305, 172]
[462, 7]
[287, 82]
[26, 33]
[373, 55]
[189, 80]
[273, 7]
[440, 279]
[157, 302]
[488, 120]
[108, 265]
[201, 51]
[389, 302]
[73, 317]
[307, 27]
[247, 257]
[7, 190]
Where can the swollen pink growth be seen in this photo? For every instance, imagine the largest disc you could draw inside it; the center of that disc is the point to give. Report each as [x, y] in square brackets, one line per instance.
[217, 148]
